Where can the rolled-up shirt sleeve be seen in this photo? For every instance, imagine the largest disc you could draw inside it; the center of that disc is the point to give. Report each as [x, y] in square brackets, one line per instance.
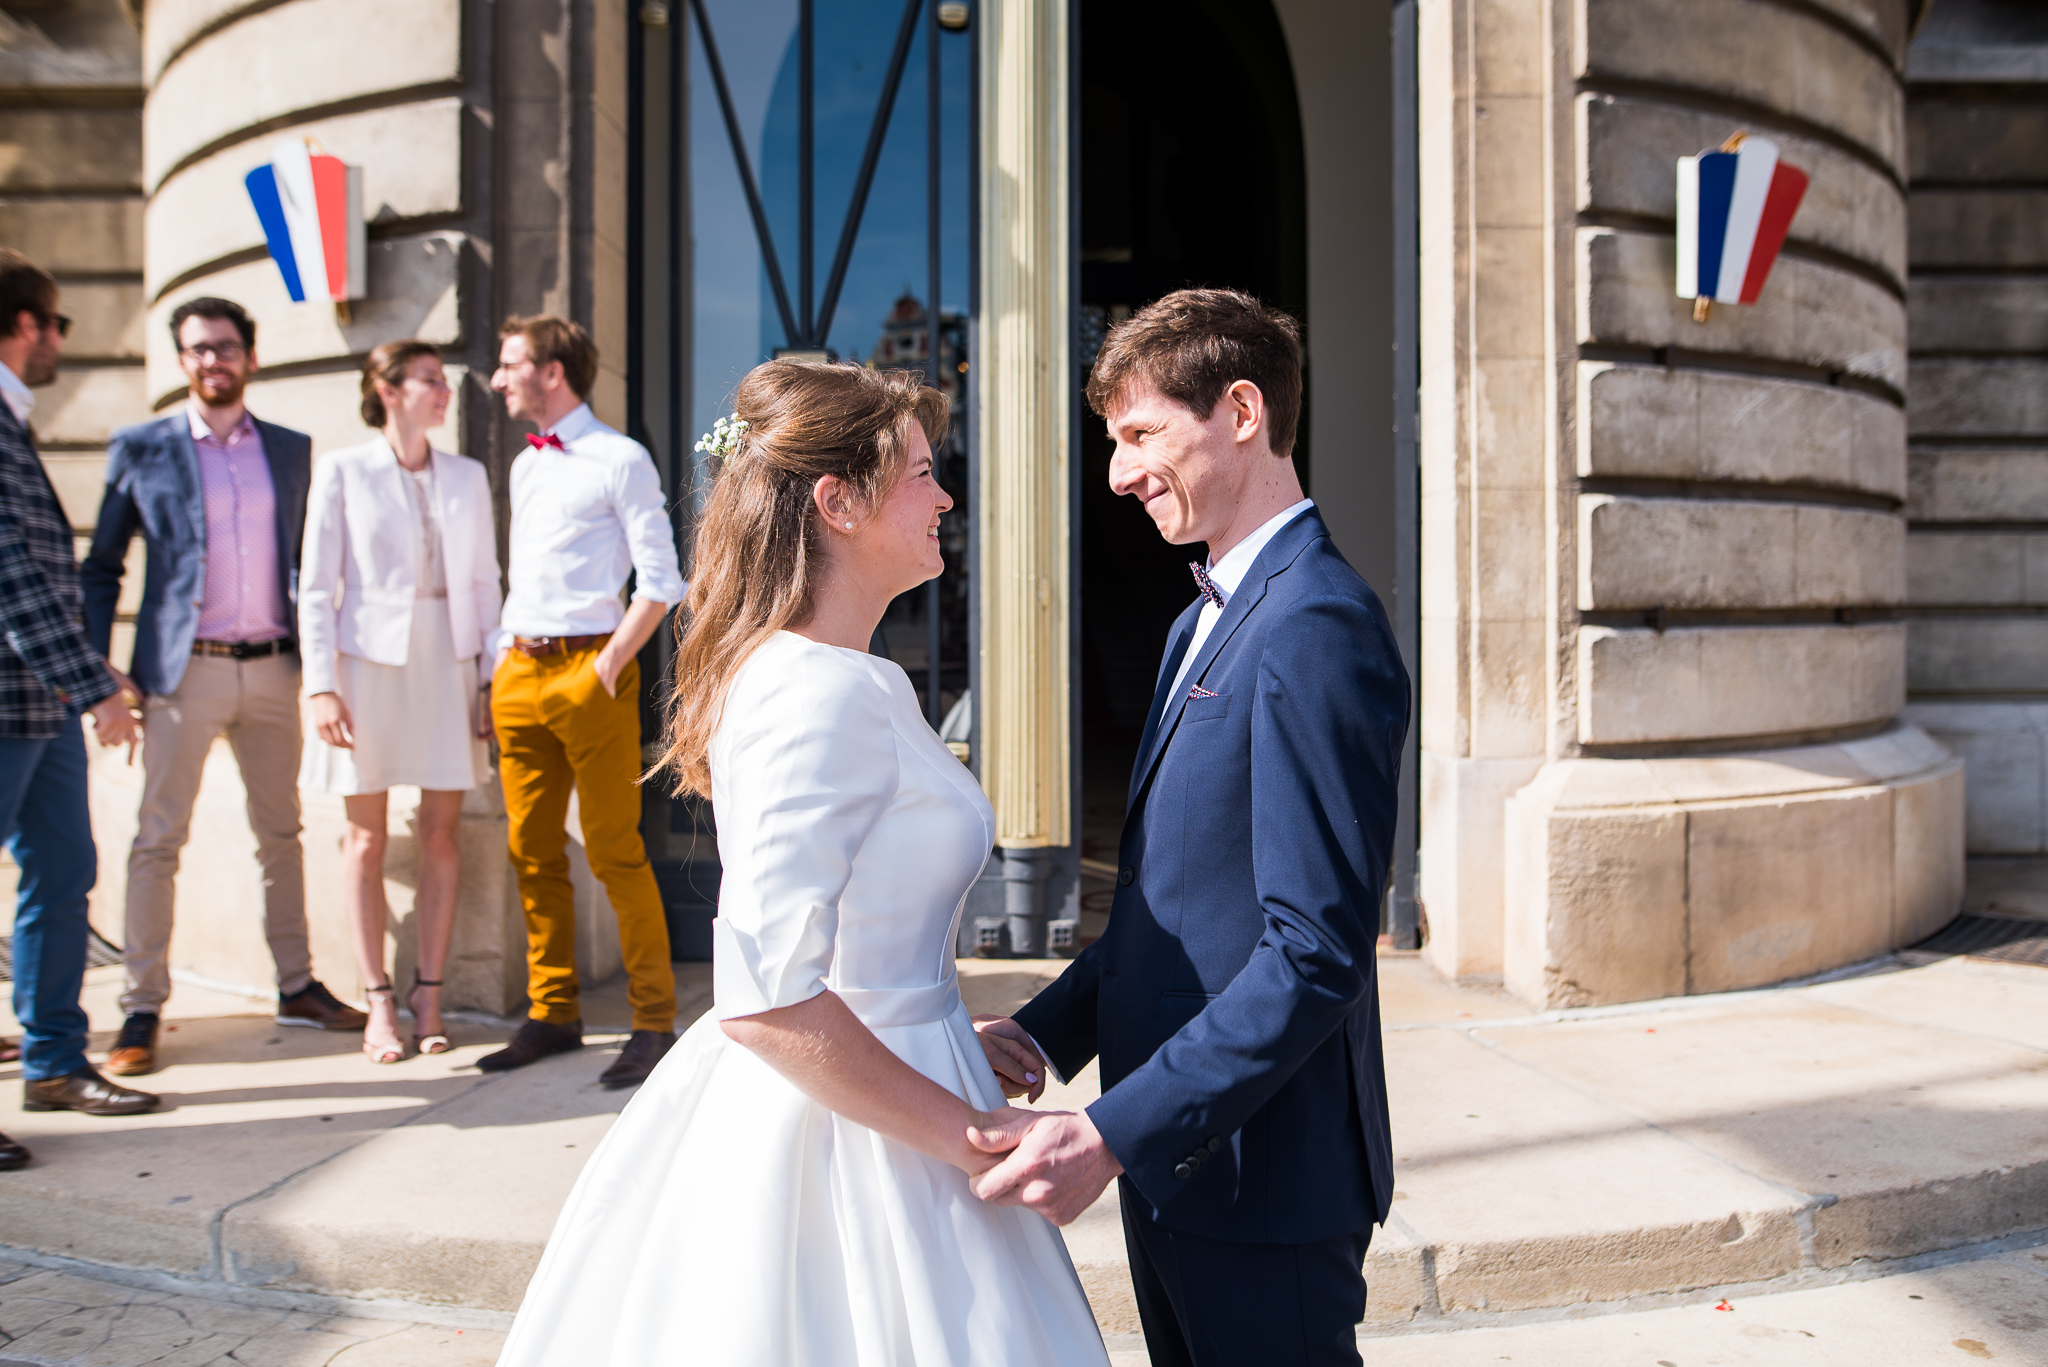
[650, 539]
[805, 767]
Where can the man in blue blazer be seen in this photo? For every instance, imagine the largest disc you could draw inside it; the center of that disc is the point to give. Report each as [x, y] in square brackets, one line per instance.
[219, 499]
[1233, 1001]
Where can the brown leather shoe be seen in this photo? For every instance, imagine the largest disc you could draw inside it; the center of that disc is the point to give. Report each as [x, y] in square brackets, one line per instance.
[9, 1051]
[637, 1059]
[134, 1051]
[534, 1042]
[85, 1090]
[12, 1155]
[314, 1006]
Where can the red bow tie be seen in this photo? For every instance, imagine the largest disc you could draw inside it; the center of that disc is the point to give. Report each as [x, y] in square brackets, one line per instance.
[541, 441]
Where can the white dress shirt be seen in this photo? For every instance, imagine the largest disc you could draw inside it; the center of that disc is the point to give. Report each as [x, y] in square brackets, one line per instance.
[21, 400]
[1227, 574]
[582, 518]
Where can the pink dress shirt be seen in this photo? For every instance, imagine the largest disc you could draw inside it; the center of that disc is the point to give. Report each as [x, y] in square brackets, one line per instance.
[243, 600]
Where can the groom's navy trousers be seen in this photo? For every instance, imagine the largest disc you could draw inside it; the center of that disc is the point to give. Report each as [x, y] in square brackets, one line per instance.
[1233, 1000]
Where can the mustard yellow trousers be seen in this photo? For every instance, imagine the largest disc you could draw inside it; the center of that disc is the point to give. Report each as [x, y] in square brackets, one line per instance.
[558, 732]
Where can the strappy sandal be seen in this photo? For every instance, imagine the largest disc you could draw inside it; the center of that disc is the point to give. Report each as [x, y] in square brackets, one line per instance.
[426, 1044]
[381, 1053]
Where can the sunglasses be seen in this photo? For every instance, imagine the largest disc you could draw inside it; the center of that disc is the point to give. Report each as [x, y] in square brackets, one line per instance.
[61, 322]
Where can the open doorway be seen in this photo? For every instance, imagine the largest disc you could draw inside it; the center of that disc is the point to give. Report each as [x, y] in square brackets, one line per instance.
[1209, 118]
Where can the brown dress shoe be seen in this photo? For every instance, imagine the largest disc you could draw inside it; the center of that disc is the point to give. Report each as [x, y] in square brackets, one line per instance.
[134, 1051]
[12, 1155]
[637, 1059]
[85, 1090]
[534, 1042]
[9, 1051]
[314, 1006]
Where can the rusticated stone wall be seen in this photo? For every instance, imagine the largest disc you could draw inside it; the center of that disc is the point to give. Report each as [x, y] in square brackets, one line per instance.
[1664, 560]
[1977, 553]
[71, 200]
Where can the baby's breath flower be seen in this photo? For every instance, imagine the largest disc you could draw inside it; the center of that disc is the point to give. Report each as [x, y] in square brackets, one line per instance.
[724, 437]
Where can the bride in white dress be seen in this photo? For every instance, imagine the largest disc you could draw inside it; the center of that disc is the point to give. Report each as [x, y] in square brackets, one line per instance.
[790, 1187]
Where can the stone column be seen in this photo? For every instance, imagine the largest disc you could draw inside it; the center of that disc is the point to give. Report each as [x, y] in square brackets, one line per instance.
[1484, 247]
[1724, 795]
[1977, 413]
[1025, 393]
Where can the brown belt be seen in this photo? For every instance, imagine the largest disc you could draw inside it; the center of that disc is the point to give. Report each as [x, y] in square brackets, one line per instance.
[537, 646]
[243, 650]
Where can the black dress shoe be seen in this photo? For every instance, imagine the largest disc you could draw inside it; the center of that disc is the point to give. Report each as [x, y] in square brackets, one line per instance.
[637, 1059]
[534, 1042]
[12, 1155]
[85, 1090]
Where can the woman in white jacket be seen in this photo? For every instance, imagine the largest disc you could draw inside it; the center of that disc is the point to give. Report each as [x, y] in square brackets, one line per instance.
[398, 590]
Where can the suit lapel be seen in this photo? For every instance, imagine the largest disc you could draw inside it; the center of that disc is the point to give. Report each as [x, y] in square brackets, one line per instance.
[185, 459]
[1177, 647]
[1276, 556]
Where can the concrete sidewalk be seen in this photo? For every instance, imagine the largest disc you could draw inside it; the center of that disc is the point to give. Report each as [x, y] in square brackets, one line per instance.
[1544, 1161]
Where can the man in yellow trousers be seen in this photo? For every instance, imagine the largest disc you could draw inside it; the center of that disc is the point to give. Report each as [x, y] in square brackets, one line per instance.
[565, 697]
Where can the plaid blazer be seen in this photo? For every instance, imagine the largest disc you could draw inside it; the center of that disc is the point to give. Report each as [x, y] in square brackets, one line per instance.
[48, 672]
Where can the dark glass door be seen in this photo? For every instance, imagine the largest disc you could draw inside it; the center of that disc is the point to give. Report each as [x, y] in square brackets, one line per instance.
[805, 189]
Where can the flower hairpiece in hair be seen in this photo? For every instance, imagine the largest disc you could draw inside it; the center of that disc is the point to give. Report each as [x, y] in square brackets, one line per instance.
[724, 437]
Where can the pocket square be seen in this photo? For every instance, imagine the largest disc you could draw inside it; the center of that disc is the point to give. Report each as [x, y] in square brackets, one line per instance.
[1201, 692]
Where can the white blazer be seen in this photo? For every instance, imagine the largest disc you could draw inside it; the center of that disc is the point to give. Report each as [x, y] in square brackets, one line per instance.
[359, 571]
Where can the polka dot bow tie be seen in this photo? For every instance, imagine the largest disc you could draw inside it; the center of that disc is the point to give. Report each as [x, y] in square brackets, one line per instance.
[1207, 585]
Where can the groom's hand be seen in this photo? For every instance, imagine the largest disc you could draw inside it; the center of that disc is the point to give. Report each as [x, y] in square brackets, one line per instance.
[1011, 1054]
[1058, 1168]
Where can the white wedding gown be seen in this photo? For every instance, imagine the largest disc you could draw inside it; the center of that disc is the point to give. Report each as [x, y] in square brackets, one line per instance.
[729, 1220]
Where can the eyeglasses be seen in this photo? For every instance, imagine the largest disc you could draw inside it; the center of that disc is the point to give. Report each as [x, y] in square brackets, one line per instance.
[59, 321]
[225, 352]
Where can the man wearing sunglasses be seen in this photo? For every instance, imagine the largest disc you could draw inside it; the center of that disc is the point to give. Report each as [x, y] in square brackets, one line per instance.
[50, 676]
[219, 498]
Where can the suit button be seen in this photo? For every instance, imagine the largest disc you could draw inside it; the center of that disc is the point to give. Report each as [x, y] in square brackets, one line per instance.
[1183, 1172]
[1125, 876]
[1215, 1144]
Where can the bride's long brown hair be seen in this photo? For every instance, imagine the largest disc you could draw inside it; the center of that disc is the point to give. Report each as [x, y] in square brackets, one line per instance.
[757, 550]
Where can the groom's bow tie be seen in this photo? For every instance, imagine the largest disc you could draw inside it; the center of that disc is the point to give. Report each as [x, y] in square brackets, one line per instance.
[1207, 585]
[541, 441]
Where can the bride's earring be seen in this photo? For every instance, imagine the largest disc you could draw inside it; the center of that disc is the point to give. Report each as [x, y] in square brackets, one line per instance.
[849, 526]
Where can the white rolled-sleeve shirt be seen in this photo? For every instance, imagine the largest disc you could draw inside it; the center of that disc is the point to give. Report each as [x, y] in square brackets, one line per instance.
[583, 517]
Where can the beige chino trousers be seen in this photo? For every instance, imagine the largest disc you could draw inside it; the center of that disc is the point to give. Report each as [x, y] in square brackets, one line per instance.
[255, 704]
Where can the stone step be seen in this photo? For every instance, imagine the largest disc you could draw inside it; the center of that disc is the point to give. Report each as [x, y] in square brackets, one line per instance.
[1543, 1161]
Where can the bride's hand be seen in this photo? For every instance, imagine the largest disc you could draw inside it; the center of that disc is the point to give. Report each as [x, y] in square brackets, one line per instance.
[992, 1137]
[1011, 1055]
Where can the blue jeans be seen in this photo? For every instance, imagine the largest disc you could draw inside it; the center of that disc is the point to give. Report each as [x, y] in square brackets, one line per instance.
[48, 829]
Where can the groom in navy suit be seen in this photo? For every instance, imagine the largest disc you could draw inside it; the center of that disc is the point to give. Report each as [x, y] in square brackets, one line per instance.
[1233, 1001]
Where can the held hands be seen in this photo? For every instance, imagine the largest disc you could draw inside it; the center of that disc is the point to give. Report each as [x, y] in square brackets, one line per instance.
[1000, 1128]
[332, 721]
[1054, 1162]
[1012, 1055]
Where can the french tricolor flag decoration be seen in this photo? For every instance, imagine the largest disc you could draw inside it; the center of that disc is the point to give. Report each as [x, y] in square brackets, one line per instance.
[311, 208]
[1734, 208]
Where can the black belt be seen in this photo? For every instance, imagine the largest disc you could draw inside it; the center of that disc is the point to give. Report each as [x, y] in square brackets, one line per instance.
[243, 650]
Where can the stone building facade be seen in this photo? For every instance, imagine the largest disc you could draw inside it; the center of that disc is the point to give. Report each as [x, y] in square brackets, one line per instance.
[1722, 629]
[1977, 413]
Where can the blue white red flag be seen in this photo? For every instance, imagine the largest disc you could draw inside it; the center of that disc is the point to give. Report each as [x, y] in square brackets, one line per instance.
[1734, 208]
[311, 208]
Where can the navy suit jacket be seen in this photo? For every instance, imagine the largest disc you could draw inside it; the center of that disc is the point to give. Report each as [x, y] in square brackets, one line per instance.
[153, 488]
[1233, 999]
